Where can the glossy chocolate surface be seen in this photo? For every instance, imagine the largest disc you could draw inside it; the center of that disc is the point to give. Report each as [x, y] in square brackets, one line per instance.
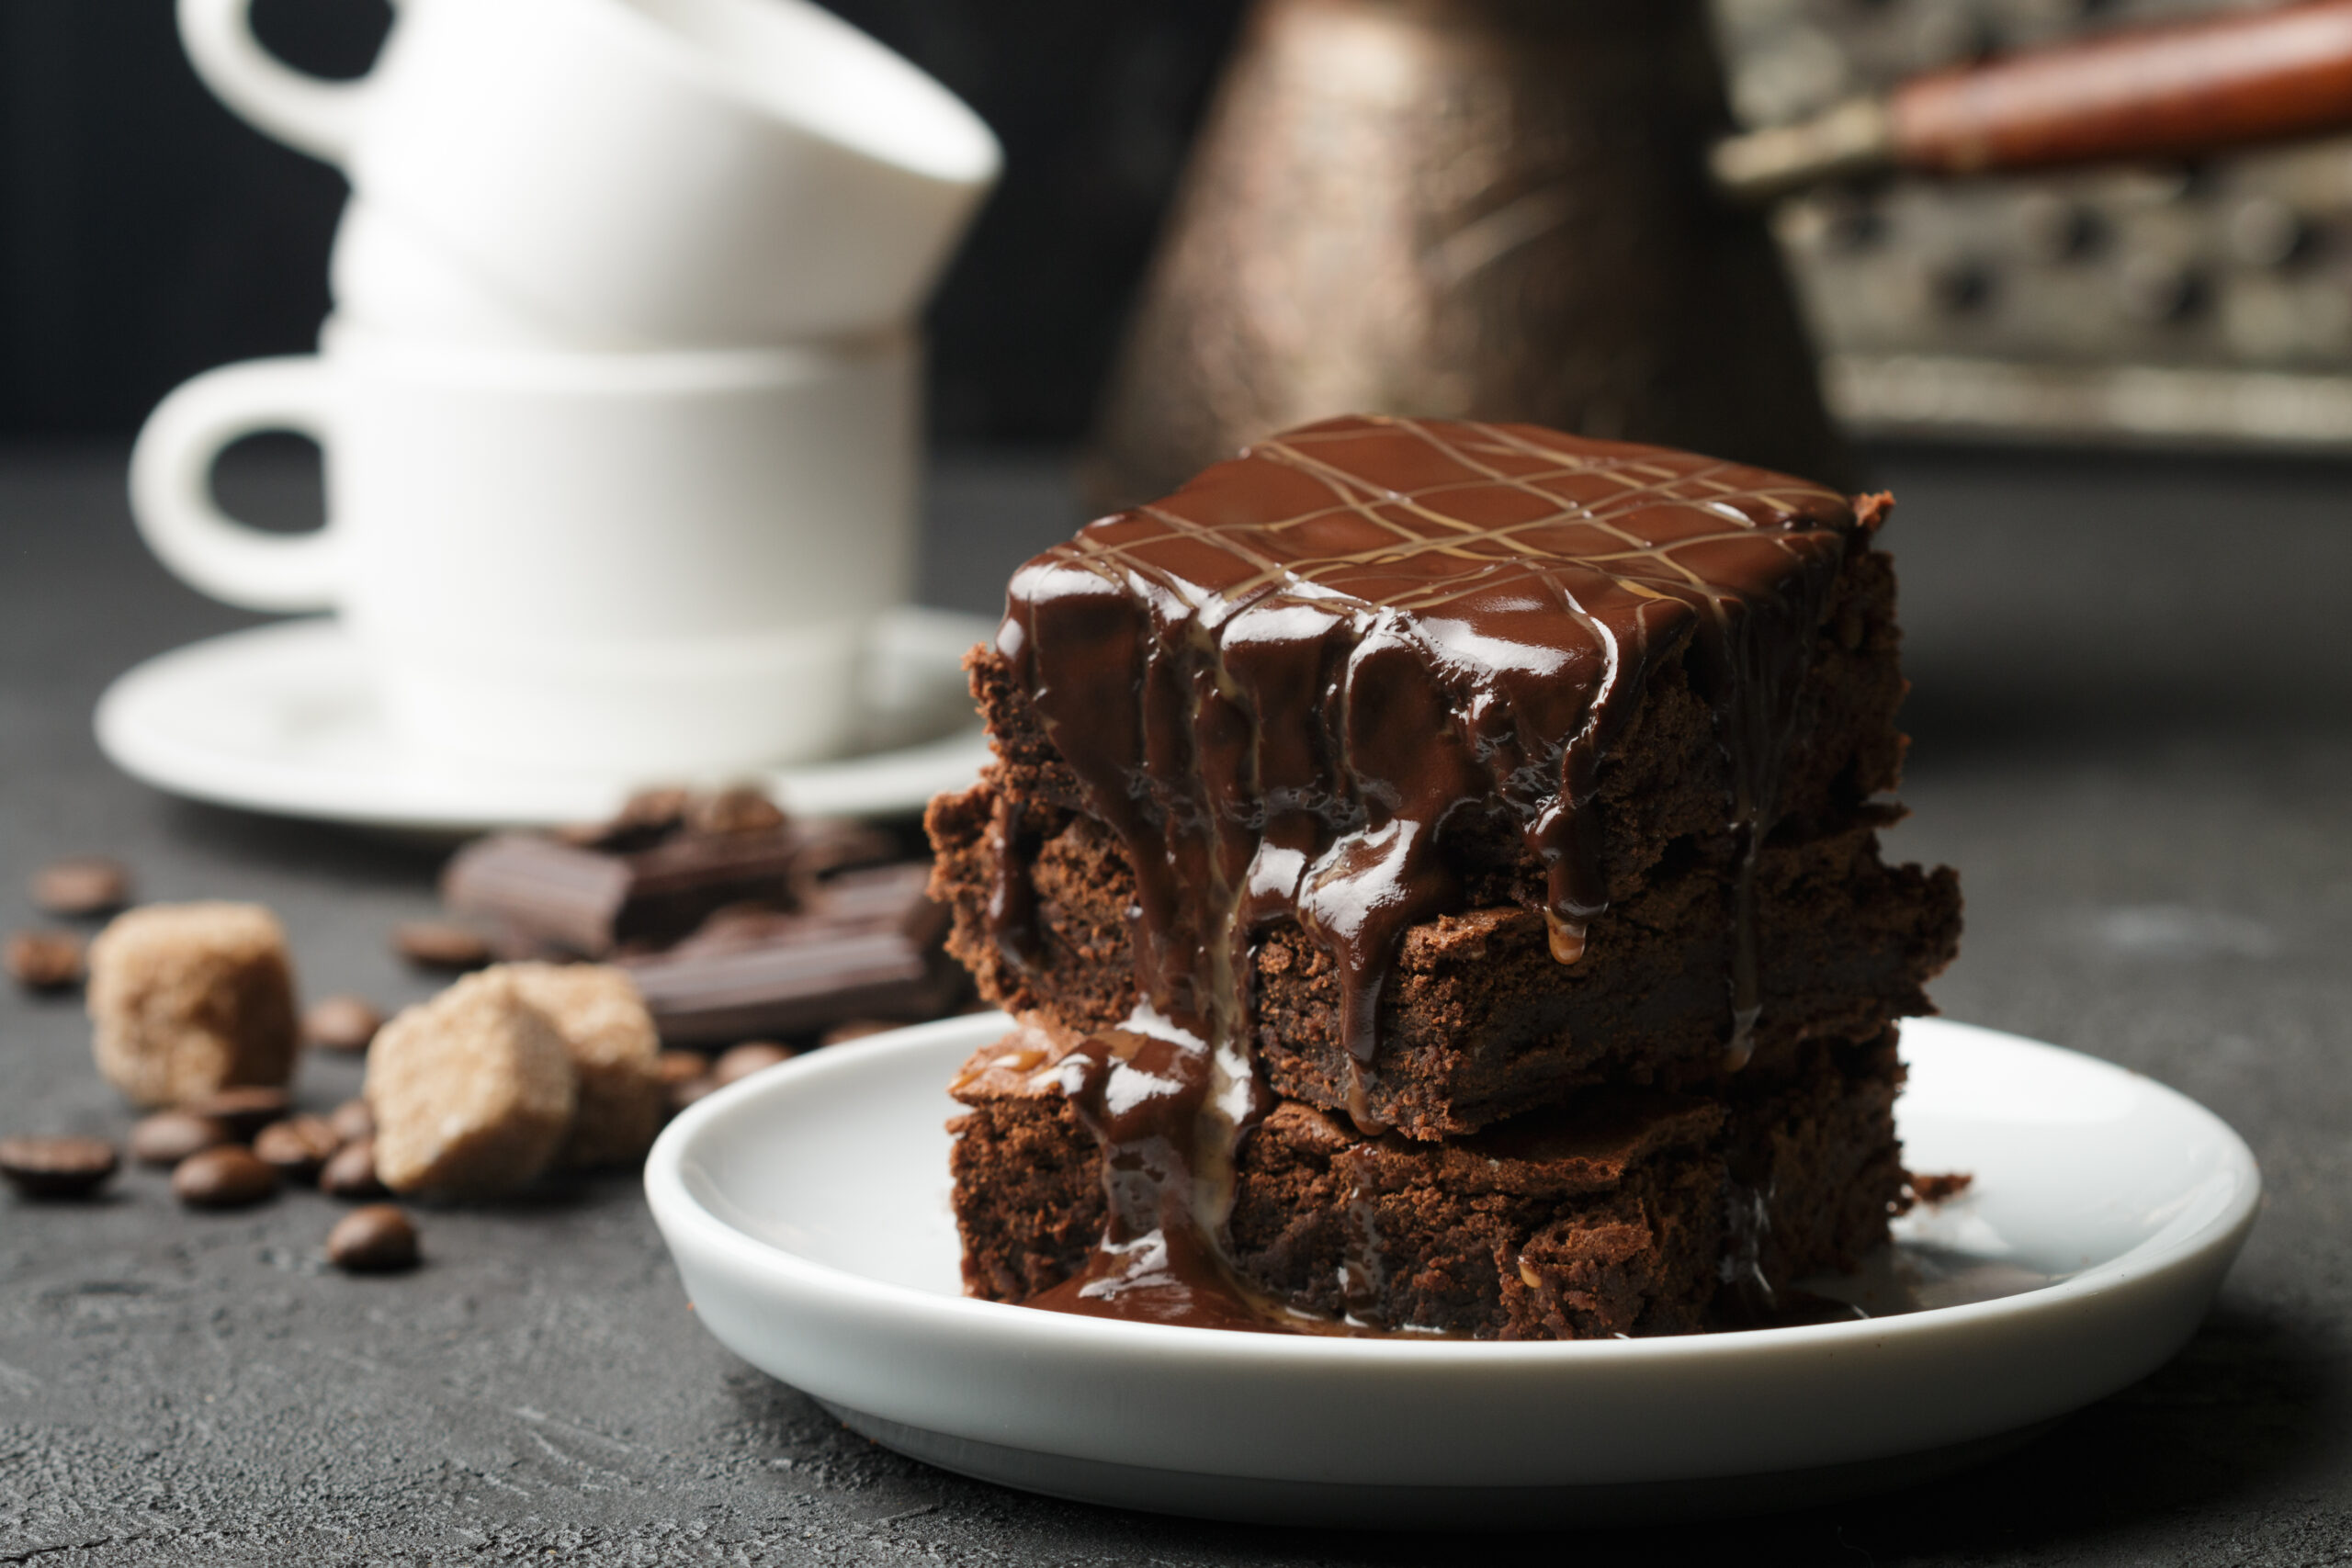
[1279, 685]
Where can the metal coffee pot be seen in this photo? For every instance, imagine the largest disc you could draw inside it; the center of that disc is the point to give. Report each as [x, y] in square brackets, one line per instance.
[1532, 209]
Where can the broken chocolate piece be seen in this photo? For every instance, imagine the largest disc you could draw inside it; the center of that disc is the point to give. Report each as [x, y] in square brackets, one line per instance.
[867, 944]
[590, 900]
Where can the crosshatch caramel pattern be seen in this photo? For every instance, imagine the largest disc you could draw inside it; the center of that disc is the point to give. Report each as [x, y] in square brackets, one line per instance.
[1280, 685]
[1423, 517]
[1436, 616]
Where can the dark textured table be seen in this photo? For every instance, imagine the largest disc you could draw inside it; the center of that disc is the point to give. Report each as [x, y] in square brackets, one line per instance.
[2134, 736]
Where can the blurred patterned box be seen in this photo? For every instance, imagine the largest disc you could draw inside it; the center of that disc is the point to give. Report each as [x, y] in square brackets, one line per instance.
[2204, 305]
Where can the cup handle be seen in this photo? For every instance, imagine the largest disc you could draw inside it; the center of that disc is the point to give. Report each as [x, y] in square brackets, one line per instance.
[307, 112]
[170, 485]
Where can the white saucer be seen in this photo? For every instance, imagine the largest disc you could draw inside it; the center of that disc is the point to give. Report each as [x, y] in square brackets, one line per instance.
[807, 1211]
[283, 718]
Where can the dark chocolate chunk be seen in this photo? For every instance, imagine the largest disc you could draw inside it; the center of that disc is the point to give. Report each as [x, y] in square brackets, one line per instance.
[645, 887]
[56, 1167]
[376, 1239]
[85, 884]
[439, 944]
[170, 1136]
[867, 944]
[341, 1023]
[45, 960]
[228, 1176]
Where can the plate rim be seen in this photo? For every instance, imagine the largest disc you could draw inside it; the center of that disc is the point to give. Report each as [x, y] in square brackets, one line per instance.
[675, 1203]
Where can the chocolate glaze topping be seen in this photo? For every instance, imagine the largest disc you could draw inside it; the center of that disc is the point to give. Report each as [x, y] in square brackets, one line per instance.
[1280, 685]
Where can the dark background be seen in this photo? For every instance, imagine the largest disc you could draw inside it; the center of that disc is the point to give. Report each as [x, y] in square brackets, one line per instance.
[146, 233]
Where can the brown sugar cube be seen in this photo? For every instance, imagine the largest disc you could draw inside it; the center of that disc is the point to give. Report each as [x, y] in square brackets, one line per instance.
[188, 998]
[472, 1091]
[614, 1052]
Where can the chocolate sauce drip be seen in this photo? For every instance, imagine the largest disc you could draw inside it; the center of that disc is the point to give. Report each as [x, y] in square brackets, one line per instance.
[1013, 897]
[1142, 1096]
[1280, 685]
[1363, 1271]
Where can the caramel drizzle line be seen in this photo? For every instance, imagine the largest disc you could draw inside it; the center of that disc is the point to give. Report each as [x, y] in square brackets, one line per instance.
[1641, 483]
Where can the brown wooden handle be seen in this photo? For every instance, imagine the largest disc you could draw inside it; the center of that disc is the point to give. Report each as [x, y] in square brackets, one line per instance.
[2148, 93]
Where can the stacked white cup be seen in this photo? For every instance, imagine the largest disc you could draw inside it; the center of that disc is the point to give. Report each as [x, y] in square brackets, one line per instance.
[620, 400]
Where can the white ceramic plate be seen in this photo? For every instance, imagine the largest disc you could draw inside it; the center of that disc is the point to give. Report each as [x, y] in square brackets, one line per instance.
[807, 1211]
[283, 718]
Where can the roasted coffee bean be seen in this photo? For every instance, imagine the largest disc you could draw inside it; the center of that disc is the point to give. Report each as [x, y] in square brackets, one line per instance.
[744, 1060]
[341, 1023]
[654, 810]
[740, 810]
[353, 1121]
[45, 960]
[297, 1147]
[85, 884]
[247, 1109]
[170, 1136]
[228, 1176]
[682, 1066]
[438, 944]
[686, 1092]
[373, 1240]
[856, 1029]
[56, 1167]
[352, 1172]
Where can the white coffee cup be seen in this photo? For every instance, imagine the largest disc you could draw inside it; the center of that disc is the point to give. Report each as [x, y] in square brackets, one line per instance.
[667, 171]
[666, 563]
[385, 276]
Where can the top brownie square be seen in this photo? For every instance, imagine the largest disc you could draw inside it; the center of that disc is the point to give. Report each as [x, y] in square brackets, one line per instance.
[1380, 670]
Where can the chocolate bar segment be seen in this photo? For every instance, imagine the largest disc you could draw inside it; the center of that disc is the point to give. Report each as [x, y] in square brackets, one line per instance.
[864, 943]
[591, 900]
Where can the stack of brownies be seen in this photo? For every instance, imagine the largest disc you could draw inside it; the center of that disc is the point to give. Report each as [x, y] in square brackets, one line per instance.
[1433, 870]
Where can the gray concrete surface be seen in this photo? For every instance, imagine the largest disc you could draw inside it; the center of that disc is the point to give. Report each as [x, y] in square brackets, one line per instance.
[2135, 723]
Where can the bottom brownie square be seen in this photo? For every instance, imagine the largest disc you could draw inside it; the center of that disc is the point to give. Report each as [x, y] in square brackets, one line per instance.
[1624, 1214]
